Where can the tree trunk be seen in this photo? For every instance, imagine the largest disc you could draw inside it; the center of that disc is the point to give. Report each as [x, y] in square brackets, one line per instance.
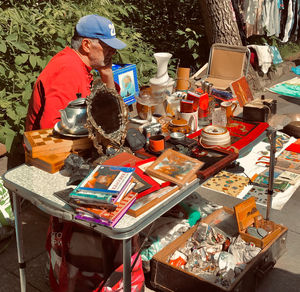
[221, 27]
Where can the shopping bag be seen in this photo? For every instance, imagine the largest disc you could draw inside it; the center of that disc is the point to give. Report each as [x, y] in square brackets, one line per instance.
[79, 259]
[6, 214]
[115, 281]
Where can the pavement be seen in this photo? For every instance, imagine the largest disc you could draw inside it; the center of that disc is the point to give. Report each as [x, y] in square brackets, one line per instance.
[285, 276]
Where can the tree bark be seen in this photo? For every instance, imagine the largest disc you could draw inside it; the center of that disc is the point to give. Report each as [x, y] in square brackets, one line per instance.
[221, 27]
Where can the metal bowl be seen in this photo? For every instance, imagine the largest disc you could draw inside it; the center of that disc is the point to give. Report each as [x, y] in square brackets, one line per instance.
[177, 136]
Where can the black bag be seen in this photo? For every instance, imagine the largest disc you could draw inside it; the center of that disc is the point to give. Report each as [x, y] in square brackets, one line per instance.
[135, 139]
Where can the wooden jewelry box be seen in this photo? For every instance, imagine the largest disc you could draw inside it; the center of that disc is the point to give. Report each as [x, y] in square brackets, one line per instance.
[247, 215]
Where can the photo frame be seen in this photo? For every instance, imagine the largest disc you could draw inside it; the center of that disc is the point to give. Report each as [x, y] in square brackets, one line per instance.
[145, 184]
[143, 204]
[241, 89]
[214, 160]
[125, 75]
[175, 167]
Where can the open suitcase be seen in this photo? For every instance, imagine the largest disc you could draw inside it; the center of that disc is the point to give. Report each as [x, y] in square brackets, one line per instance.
[166, 277]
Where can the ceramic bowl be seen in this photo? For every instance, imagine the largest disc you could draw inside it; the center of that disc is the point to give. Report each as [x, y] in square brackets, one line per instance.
[215, 135]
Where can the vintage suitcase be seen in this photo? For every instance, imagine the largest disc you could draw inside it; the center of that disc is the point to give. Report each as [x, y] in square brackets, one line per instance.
[166, 277]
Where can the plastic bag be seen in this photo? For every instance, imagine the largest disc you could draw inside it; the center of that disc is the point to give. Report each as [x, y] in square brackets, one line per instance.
[115, 281]
[6, 213]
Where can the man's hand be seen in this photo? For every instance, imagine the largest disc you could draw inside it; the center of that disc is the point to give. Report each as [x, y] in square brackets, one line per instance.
[107, 76]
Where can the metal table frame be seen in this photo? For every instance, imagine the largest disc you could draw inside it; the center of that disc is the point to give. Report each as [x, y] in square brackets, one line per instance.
[21, 182]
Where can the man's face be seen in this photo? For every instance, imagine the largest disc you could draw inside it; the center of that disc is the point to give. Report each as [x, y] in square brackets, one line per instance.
[100, 54]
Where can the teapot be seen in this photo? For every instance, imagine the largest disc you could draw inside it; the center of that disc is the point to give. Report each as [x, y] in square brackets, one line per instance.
[179, 125]
[73, 117]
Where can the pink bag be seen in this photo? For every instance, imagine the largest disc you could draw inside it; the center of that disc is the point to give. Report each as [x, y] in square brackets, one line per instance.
[115, 281]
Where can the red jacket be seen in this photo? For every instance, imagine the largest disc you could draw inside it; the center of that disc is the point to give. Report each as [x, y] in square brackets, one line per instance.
[63, 77]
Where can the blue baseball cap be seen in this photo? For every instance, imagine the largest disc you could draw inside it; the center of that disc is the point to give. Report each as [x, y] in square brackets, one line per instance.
[99, 27]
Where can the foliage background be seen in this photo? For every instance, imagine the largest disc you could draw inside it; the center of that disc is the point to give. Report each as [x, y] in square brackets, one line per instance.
[32, 31]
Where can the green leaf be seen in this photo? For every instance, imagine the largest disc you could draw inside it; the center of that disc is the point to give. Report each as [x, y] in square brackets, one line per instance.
[3, 47]
[32, 60]
[21, 46]
[2, 70]
[195, 56]
[21, 59]
[190, 43]
[12, 37]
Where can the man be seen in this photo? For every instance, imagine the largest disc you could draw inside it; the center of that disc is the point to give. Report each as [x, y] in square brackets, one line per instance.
[68, 72]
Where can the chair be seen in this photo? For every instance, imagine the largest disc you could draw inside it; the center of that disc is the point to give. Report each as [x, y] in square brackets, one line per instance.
[226, 64]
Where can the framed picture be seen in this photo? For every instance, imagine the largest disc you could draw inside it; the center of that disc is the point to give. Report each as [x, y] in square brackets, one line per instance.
[125, 76]
[143, 204]
[144, 183]
[242, 91]
[214, 160]
[175, 167]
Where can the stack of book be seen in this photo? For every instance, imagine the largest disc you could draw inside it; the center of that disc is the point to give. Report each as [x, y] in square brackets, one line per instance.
[105, 195]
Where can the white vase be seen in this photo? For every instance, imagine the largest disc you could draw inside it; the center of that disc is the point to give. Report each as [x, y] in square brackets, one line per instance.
[162, 76]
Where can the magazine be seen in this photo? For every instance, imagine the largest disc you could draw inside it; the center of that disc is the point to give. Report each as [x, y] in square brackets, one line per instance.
[106, 179]
[106, 217]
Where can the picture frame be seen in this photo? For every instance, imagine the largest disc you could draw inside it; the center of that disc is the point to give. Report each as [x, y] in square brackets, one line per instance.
[214, 160]
[125, 75]
[145, 184]
[241, 89]
[144, 203]
[175, 167]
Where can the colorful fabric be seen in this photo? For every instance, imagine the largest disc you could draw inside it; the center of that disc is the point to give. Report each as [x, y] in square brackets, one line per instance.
[288, 88]
[60, 81]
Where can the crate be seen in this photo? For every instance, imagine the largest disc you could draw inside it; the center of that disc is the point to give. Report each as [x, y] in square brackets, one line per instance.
[50, 163]
[125, 75]
[45, 142]
[247, 215]
[166, 277]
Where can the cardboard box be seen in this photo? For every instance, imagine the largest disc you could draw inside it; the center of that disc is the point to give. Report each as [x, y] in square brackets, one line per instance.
[247, 215]
[125, 75]
[166, 277]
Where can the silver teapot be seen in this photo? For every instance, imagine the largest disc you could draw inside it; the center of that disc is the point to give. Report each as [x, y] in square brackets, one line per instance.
[73, 117]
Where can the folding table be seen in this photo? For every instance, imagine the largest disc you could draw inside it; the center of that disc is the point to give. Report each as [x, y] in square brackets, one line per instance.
[38, 186]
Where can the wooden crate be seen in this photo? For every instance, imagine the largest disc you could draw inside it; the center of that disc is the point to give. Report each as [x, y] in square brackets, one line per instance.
[247, 215]
[45, 142]
[50, 163]
[168, 278]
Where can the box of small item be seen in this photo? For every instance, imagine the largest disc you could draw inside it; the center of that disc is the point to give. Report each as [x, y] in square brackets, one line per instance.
[252, 226]
[211, 256]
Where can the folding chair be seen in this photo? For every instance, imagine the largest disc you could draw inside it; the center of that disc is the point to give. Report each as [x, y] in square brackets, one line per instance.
[226, 64]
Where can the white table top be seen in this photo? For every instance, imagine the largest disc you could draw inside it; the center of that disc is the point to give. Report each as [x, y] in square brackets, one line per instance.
[38, 187]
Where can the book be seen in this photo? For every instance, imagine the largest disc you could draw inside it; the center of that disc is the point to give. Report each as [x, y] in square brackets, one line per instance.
[106, 179]
[105, 217]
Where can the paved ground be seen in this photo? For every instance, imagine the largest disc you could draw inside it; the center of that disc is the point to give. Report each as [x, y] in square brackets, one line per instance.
[284, 277]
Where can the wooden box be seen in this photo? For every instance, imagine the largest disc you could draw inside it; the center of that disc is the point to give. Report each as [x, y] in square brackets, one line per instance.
[166, 277]
[247, 215]
[50, 163]
[45, 142]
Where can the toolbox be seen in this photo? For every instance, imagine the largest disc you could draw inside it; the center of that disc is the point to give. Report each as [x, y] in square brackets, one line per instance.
[247, 216]
[166, 277]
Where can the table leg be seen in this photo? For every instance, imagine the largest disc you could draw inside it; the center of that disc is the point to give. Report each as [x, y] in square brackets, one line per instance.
[127, 264]
[19, 240]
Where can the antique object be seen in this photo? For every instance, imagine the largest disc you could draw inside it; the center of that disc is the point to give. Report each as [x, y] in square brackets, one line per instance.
[191, 118]
[182, 80]
[247, 215]
[229, 107]
[179, 125]
[214, 160]
[174, 167]
[215, 135]
[73, 118]
[259, 110]
[162, 78]
[107, 118]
